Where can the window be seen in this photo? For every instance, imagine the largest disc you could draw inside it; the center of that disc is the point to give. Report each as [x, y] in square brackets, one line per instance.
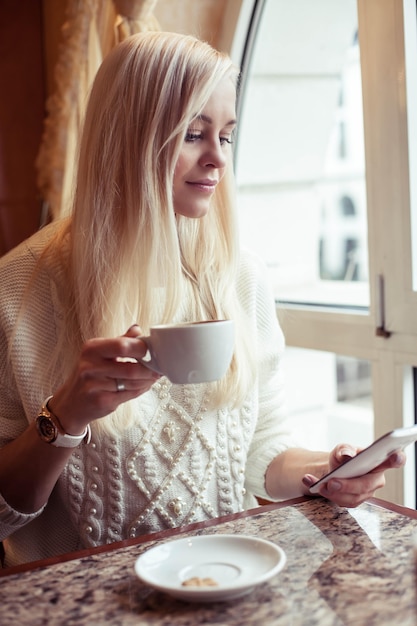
[325, 149]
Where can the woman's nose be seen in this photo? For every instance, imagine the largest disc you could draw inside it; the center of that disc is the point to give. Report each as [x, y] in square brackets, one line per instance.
[214, 156]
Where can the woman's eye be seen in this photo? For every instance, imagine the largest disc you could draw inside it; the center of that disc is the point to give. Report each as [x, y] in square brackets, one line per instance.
[192, 136]
[196, 135]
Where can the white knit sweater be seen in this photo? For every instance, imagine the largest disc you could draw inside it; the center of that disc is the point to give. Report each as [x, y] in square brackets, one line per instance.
[180, 463]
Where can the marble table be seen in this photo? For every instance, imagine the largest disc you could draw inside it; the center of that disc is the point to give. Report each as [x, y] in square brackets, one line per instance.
[344, 567]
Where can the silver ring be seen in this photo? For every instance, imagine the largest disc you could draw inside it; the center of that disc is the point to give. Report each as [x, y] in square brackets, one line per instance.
[120, 386]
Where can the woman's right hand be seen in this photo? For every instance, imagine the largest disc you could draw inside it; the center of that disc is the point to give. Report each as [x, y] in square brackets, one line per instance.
[93, 389]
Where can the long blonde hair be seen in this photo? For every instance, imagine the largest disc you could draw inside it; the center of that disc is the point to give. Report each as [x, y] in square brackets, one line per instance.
[132, 259]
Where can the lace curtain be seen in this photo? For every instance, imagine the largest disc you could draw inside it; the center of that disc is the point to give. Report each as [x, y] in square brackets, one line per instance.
[91, 29]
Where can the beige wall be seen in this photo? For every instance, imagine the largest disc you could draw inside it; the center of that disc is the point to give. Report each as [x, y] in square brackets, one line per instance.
[212, 20]
[202, 18]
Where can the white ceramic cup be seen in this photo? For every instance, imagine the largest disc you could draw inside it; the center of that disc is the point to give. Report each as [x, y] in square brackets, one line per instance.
[193, 352]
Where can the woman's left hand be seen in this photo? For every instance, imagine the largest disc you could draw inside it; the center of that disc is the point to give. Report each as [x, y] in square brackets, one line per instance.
[351, 492]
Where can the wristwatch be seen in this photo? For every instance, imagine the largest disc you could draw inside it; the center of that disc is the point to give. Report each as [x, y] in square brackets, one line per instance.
[50, 433]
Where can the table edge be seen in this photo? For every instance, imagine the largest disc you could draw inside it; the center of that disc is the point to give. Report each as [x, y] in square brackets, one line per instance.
[164, 534]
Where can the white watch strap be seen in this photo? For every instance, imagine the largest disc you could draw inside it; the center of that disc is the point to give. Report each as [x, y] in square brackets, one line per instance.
[72, 441]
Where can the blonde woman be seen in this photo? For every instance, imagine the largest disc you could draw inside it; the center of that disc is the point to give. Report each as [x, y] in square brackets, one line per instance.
[152, 239]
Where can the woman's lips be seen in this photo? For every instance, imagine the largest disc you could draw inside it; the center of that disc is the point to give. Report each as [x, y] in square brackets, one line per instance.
[204, 185]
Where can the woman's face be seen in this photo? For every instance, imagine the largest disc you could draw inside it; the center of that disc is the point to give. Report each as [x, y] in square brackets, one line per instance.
[205, 152]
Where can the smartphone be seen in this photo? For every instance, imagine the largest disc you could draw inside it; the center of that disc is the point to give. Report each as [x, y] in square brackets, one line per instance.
[372, 456]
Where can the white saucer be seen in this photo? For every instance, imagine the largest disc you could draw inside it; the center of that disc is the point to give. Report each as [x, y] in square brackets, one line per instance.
[237, 563]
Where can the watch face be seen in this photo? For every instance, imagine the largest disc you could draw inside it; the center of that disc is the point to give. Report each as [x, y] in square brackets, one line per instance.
[46, 428]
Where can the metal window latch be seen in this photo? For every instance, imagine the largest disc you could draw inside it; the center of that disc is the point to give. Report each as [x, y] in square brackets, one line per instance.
[380, 308]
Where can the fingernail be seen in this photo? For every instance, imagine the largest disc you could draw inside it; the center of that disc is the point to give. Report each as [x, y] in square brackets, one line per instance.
[347, 452]
[308, 480]
[333, 485]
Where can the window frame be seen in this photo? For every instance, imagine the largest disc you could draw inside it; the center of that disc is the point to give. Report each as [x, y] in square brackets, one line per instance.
[386, 333]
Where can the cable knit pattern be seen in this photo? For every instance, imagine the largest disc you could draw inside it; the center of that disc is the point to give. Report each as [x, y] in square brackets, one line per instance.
[74, 473]
[179, 463]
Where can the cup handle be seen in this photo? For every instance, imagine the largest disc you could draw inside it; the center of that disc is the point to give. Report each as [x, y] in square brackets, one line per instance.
[150, 363]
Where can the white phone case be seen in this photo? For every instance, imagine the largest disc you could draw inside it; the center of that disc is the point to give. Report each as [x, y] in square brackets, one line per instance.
[372, 456]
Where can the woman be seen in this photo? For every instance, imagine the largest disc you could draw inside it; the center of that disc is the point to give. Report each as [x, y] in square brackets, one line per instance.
[152, 239]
